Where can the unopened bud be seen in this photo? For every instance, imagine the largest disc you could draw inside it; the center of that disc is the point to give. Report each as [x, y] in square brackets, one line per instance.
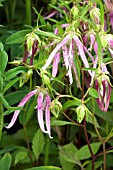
[80, 110]
[74, 11]
[95, 15]
[55, 107]
[25, 77]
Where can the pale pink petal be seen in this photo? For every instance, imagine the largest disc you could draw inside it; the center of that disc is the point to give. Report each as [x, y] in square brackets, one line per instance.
[65, 55]
[49, 60]
[40, 112]
[55, 64]
[22, 103]
[81, 52]
[47, 115]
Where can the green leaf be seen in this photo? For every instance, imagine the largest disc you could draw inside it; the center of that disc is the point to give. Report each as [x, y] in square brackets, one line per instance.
[17, 37]
[70, 103]
[15, 97]
[47, 34]
[3, 60]
[20, 156]
[1, 47]
[60, 123]
[38, 143]
[97, 165]
[13, 72]
[5, 162]
[93, 92]
[84, 153]
[45, 168]
[30, 109]
[10, 84]
[67, 152]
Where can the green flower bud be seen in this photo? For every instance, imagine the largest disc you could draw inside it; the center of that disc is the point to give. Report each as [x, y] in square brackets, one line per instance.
[74, 11]
[25, 77]
[45, 78]
[95, 15]
[30, 38]
[104, 41]
[55, 107]
[80, 110]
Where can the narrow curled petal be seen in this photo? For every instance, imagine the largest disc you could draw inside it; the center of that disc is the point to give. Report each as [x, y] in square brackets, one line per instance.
[55, 64]
[104, 92]
[81, 52]
[65, 55]
[22, 103]
[47, 115]
[49, 60]
[40, 112]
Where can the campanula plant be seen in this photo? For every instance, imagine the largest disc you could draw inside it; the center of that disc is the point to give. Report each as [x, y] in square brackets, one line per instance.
[56, 76]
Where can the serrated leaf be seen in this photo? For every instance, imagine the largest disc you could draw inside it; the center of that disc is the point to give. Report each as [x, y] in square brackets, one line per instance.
[38, 143]
[70, 103]
[13, 72]
[68, 153]
[3, 60]
[17, 37]
[20, 156]
[45, 168]
[93, 92]
[5, 162]
[84, 153]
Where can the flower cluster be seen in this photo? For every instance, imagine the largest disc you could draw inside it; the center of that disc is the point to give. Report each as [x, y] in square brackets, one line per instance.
[43, 104]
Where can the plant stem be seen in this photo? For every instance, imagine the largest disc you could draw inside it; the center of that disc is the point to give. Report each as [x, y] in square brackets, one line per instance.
[99, 136]
[88, 143]
[28, 12]
[46, 158]
[104, 154]
[28, 146]
[1, 106]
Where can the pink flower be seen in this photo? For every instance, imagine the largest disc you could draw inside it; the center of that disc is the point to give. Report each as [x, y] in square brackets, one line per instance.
[42, 106]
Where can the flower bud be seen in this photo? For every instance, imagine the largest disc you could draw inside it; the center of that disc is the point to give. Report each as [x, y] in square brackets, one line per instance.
[80, 110]
[25, 77]
[15, 62]
[55, 107]
[74, 11]
[104, 41]
[30, 38]
[95, 15]
[45, 78]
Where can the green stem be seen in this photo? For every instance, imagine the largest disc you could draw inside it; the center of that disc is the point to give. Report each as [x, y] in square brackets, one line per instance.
[28, 146]
[46, 159]
[1, 106]
[28, 12]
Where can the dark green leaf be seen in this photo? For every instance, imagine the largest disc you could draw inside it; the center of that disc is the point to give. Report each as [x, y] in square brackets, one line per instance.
[84, 153]
[13, 72]
[5, 162]
[17, 37]
[45, 168]
[93, 93]
[70, 103]
[10, 84]
[20, 156]
[47, 34]
[38, 143]
[3, 60]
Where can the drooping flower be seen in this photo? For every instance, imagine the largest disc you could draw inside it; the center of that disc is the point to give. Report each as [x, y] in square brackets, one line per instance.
[67, 46]
[43, 104]
[103, 87]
